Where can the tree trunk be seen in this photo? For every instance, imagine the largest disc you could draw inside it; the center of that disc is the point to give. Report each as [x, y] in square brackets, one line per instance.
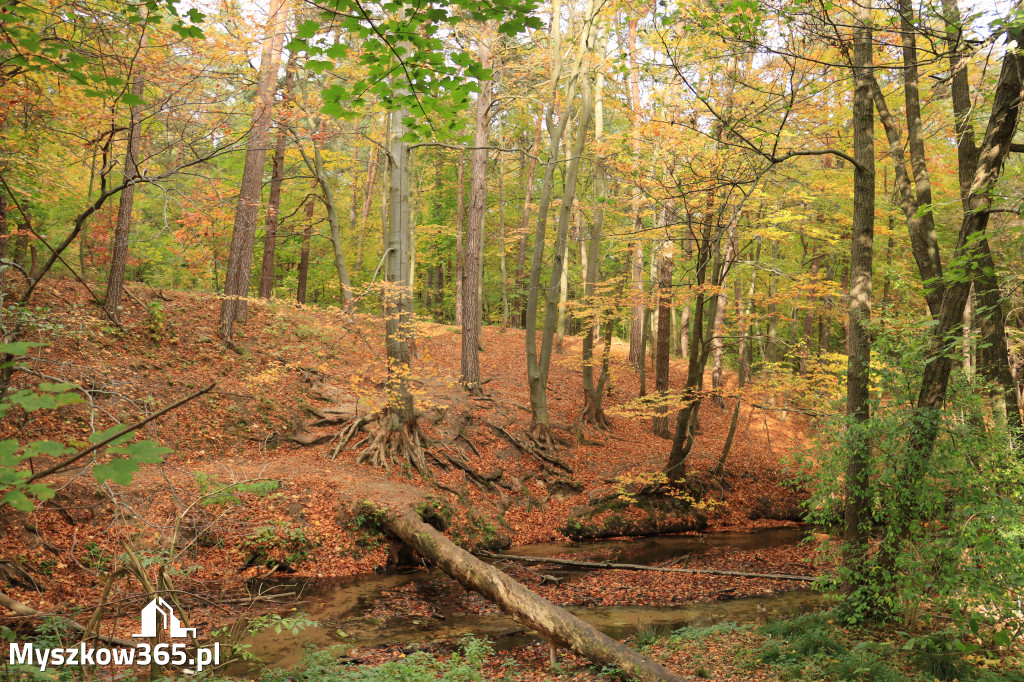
[122, 233]
[524, 228]
[593, 396]
[556, 624]
[372, 165]
[243, 235]
[474, 234]
[661, 363]
[460, 252]
[636, 319]
[994, 359]
[744, 363]
[307, 234]
[501, 243]
[857, 512]
[274, 207]
[536, 366]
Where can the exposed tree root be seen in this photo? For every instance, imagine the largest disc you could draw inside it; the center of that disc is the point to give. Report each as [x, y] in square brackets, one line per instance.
[396, 443]
[593, 414]
[543, 454]
[350, 430]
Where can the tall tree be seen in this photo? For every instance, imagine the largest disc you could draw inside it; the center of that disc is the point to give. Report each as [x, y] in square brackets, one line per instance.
[243, 235]
[471, 283]
[857, 510]
[122, 233]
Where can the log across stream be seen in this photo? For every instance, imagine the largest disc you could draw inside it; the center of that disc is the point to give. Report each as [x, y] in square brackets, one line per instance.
[422, 607]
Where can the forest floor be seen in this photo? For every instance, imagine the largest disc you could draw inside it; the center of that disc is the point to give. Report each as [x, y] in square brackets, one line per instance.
[295, 506]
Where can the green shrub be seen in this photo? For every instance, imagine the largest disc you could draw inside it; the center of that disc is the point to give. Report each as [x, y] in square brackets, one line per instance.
[278, 545]
[462, 666]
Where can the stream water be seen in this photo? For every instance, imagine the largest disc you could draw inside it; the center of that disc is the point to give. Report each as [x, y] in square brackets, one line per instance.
[341, 607]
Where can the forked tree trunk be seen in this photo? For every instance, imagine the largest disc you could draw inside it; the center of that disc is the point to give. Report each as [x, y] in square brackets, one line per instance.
[123, 230]
[993, 359]
[243, 235]
[536, 365]
[553, 622]
[271, 222]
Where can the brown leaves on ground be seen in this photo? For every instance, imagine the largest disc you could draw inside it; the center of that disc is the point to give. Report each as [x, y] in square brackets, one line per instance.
[295, 361]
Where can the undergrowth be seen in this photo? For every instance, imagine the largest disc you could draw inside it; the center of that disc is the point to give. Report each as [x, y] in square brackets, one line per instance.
[323, 665]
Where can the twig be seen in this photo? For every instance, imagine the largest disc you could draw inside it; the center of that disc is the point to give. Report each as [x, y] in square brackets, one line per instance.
[134, 427]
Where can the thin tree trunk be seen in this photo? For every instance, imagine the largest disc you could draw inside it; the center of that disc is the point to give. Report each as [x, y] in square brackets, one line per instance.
[372, 164]
[307, 234]
[744, 364]
[524, 228]
[501, 243]
[661, 364]
[636, 320]
[243, 235]
[122, 233]
[274, 206]
[593, 396]
[460, 253]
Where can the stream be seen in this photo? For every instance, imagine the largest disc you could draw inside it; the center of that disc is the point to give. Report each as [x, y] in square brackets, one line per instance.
[344, 608]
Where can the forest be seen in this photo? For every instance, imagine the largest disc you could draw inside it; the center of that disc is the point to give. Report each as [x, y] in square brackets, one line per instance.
[512, 340]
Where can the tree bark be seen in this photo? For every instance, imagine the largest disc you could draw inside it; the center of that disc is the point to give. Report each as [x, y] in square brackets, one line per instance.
[307, 234]
[553, 622]
[274, 206]
[243, 235]
[122, 233]
[993, 360]
[661, 364]
[524, 228]
[857, 492]
[474, 233]
[460, 252]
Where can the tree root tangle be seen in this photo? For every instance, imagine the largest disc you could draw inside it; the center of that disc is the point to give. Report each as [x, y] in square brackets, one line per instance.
[396, 443]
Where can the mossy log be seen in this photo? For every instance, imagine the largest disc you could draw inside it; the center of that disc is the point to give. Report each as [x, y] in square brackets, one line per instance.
[553, 622]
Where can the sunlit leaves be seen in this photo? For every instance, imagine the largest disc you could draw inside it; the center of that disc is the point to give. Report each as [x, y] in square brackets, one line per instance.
[404, 62]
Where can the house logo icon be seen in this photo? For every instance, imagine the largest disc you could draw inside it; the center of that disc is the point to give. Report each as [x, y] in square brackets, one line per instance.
[159, 614]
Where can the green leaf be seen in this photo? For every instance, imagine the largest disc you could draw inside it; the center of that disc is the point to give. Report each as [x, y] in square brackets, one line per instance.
[132, 100]
[118, 470]
[18, 500]
[18, 347]
[55, 388]
[47, 447]
[100, 436]
[31, 401]
[307, 29]
[147, 452]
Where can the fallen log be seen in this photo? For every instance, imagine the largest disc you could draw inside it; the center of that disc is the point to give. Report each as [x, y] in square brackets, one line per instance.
[527, 607]
[641, 567]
